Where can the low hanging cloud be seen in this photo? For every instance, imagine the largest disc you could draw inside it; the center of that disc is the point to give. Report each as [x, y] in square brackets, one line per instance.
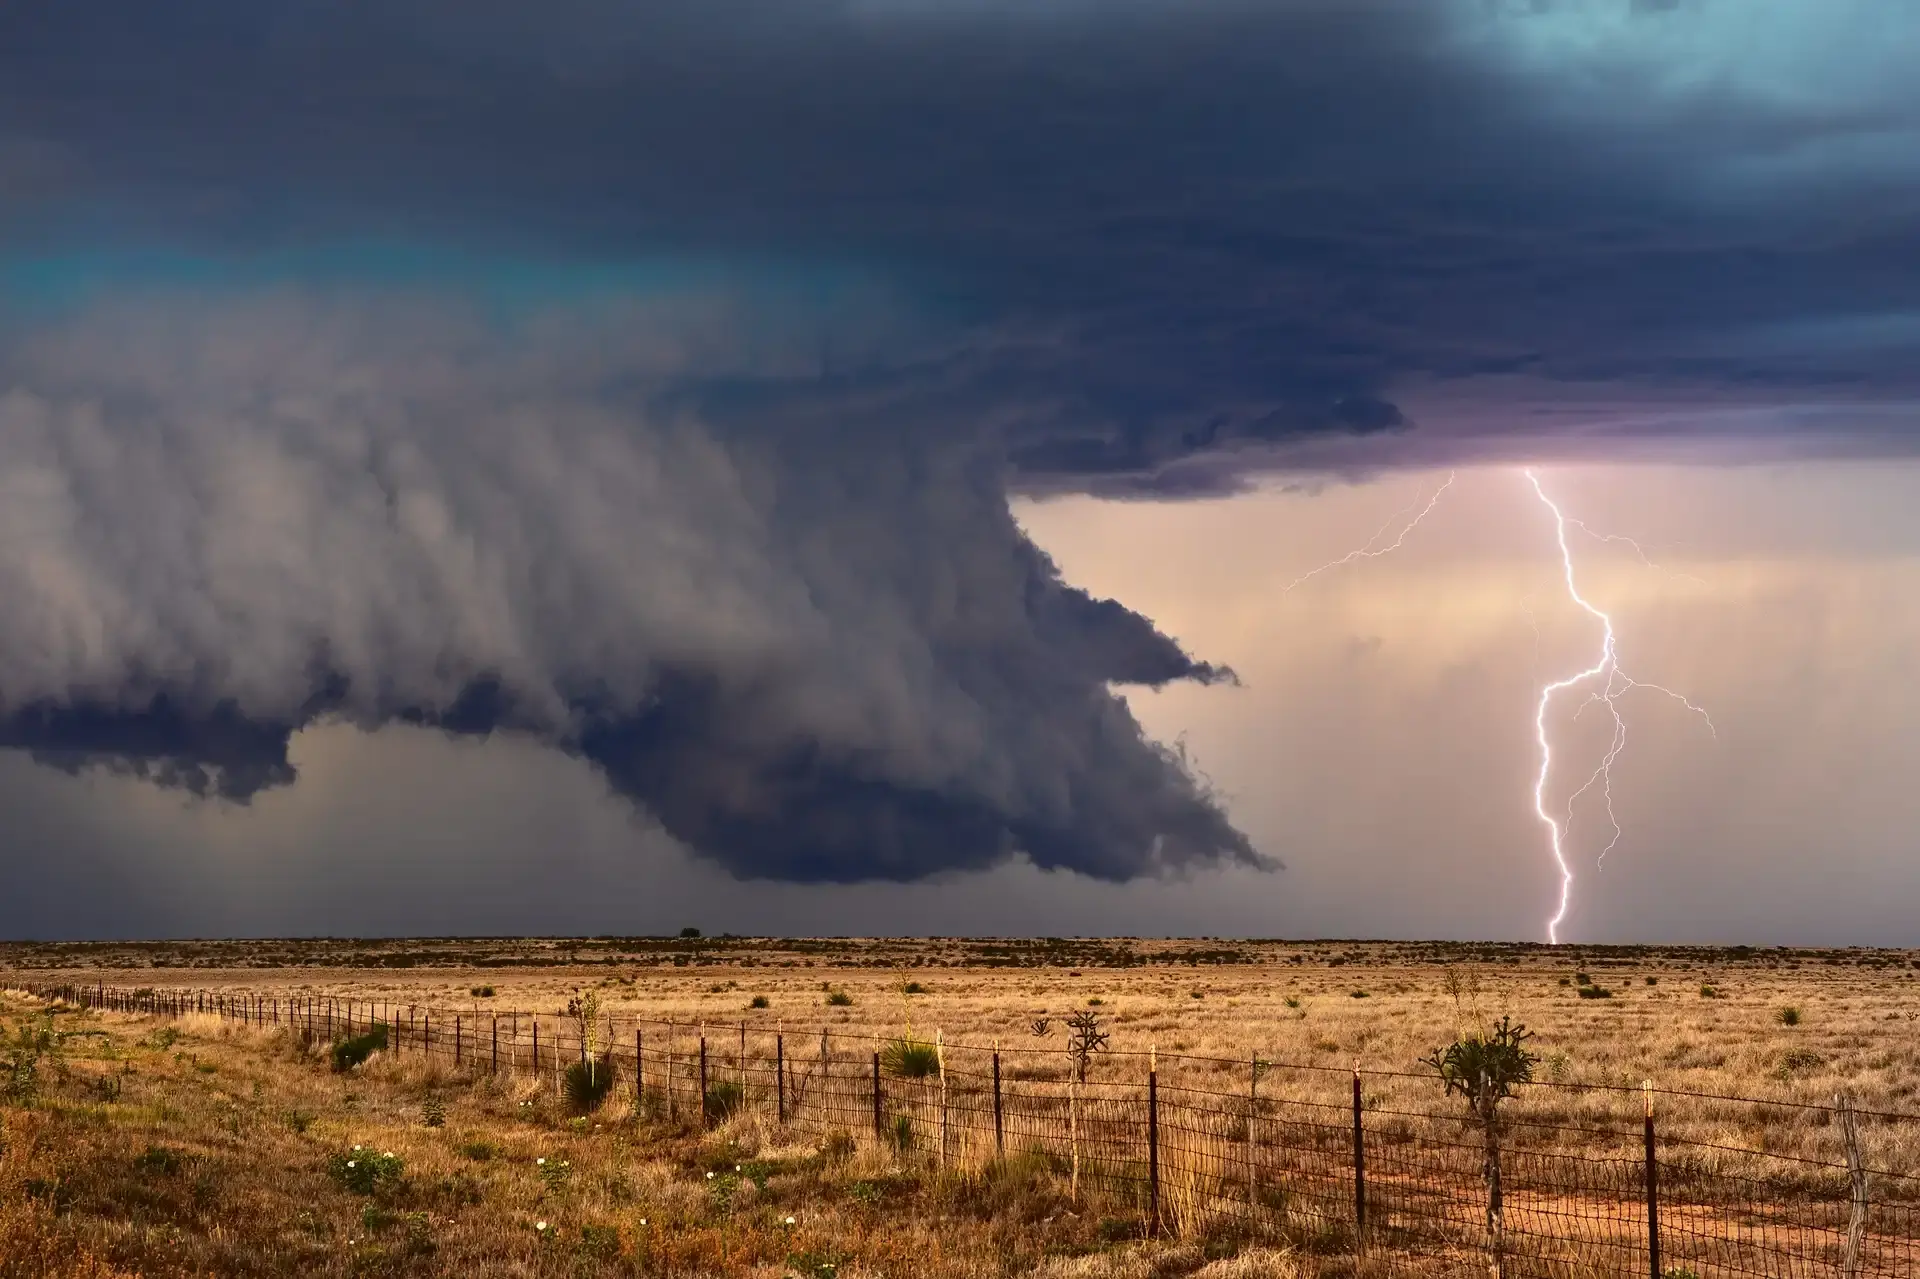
[810, 656]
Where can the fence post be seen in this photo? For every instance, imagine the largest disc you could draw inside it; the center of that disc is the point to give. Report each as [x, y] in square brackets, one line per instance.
[780, 1072]
[456, 1041]
[1857, 1174]
[493, 1062]
[639, 1073]
[940, 1059]
[743, 1063]
[999, 1119]
[1653, 1188]
[706, 1116]
[1073, 1127]
[1253, 1107]
[878, 1127]
[1153, 1141]
[1359, 1168]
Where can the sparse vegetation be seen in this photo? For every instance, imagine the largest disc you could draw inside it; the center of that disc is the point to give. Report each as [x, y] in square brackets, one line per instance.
[909, 1058]
[352, 1052]
[1788, 1016]
[759, 1001]
[839, 999]
[222, 1130]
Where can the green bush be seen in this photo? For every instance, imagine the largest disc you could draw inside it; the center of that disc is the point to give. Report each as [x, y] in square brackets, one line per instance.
[364, 1172]
[349, 1053]
[759, 1001]
[908, 1058]
[481, 992]
[724, 1099]
[839, 999]
[914, 988]
[1788, 1016]
[587, 1083]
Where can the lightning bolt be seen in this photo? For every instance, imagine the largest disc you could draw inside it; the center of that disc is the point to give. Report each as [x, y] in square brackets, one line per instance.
[1612, 684]
[1369, 552]
[1606, 681]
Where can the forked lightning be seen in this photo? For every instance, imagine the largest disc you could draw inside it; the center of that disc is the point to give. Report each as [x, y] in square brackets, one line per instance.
[1604, 678]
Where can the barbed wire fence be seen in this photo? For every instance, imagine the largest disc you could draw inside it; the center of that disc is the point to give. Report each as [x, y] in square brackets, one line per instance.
[1572, 1180]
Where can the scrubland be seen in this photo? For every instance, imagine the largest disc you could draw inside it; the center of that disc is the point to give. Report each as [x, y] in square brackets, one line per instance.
[196, 1146]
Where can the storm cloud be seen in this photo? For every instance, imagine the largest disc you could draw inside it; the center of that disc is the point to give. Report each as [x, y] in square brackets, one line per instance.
[650, 380]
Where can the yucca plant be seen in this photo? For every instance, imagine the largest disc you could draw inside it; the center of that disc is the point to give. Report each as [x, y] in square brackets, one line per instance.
[910, 1058]
[587, 1083]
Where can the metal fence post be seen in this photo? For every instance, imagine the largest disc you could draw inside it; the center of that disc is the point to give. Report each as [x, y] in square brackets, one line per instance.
[706, 1116]
[999, 1119]
[780, 1072]
[493, 1061]
[1153, 1141]
[456, 1041]
[639, 1073]
[1653, 1190]
[878, 1127]
[1359, 1167]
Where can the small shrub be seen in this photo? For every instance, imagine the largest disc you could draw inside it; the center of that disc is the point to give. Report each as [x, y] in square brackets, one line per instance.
[908, 1058]
[1095, 1002]
[587, 1083]
[815, 1265]
[365, 1172]
[1583, 979]
[433, 1112]
[481, 992]
[600, 1242]
[1566, 981]
[1360, 994]
[300, 1120]
[913, 988]
[1796, 1061]
[1788, 1016]
[554, 1173]
[478, 1151]
[1709, 991]
[1653, 981]
[902, 1133]
[759, 1001]
[839, 999]
[724, 1099]
[690, 934]
[837, 1148]
[349, 1053]
[1292, 1001]
[1485, 1068]
[157, 1161]
[1594, 992]
[1559, 1065]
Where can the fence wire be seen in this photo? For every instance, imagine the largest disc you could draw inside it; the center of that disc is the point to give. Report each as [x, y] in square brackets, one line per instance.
[1296, 1151]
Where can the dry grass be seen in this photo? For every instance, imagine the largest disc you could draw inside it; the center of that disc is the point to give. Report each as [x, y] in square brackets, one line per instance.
[1005, 1220]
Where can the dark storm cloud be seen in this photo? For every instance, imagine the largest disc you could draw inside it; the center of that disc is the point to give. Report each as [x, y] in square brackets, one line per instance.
[1207, 224]
[808, 658]
[755, 562]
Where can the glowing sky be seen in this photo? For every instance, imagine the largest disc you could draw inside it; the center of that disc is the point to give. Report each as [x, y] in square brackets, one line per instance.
[797, 465]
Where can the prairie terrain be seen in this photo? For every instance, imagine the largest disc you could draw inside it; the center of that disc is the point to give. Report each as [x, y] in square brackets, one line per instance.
[198, 1145]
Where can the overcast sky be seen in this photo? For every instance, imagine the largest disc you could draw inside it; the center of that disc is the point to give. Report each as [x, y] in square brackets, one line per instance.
[804, 466]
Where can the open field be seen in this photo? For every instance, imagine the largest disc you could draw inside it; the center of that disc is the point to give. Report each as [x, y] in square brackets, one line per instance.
[252, 1112]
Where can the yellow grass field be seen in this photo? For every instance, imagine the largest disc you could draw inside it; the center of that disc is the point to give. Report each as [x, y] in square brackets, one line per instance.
[207, 1145]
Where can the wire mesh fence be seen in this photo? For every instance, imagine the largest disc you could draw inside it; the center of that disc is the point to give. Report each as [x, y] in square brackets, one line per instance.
[1568, 1181]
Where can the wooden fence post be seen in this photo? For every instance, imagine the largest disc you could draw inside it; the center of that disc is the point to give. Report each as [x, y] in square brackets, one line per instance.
[1253, 1111]
[1857, 1174]
[1653, 1188]
[706, 1110]
[493, 1061]
[639, 1071]
[1073, 1128]
[940, 1060]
